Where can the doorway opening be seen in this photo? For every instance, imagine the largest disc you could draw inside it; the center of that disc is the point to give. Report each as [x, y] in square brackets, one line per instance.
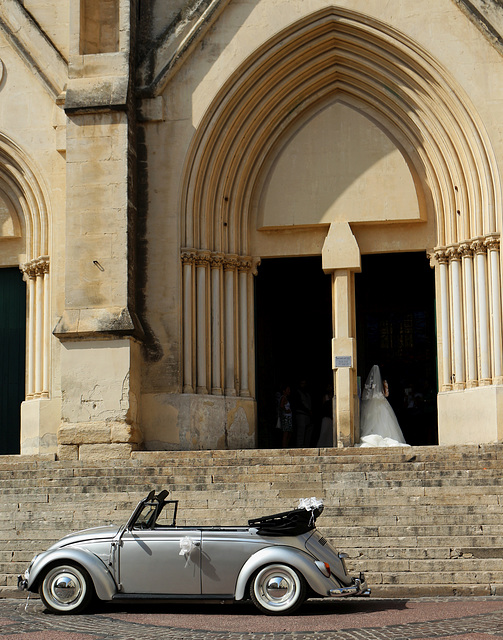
[395, 317]
[12, 357]
[293, 329]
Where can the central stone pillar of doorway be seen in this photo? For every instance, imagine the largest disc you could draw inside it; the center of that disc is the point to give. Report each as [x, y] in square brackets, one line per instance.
[341, 258]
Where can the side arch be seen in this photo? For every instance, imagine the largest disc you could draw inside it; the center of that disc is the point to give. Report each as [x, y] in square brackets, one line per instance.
[17, 174]
[25, 189]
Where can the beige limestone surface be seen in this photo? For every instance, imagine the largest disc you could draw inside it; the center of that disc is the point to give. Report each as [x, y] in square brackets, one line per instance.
[297, 192]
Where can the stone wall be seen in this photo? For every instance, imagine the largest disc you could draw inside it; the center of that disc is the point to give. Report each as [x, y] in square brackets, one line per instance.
[152, 156]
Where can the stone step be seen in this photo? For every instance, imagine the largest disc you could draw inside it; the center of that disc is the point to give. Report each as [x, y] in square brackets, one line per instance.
[330, 470]
[407, 516]
[137, 478]
[449, 454]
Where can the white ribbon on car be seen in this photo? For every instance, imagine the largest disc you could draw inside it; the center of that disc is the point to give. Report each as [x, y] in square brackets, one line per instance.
[310, 504]
[186, 547]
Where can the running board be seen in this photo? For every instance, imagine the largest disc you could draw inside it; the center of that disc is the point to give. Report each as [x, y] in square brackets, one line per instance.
[161, 597]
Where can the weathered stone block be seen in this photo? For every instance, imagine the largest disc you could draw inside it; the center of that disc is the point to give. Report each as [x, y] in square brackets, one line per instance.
[84, 433]
[105, 452]
[68, 452]
[121, 432]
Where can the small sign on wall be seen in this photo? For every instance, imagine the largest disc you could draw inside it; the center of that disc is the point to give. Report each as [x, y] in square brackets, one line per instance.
[343, 361]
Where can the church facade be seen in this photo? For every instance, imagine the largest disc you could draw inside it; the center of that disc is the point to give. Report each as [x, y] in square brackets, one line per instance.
[204, 201]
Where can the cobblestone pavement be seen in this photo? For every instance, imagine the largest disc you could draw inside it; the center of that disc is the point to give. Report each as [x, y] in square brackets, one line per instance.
[354, 619]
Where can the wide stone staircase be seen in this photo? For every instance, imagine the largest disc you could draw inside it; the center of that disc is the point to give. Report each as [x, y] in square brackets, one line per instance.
[421, 521]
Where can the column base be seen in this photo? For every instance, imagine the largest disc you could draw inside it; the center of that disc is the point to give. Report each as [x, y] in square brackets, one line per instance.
[40, 418]
[470, 416]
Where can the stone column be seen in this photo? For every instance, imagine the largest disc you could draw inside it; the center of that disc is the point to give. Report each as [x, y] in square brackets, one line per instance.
[493, 250]
[230, 267]
[341, 257]
[443, 262]
[468, 291]
[458, 377]
[36, 273]
[217, 261]
[46, 337]
[344, 357]
[30, 374]
[188, 259]
[480, 250]
[202, 322]
[244, 267]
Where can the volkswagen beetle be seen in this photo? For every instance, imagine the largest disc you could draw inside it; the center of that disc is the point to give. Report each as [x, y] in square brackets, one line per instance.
[277, 561]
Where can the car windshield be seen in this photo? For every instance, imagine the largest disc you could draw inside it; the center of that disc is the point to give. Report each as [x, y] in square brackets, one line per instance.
[153, 513]
[146, 516]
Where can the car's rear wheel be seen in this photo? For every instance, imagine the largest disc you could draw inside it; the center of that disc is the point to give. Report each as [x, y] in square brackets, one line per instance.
[278, 589]
[66, 588]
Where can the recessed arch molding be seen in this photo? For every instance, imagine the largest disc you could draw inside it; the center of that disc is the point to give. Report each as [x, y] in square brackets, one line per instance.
[20, 179]
[337, 54]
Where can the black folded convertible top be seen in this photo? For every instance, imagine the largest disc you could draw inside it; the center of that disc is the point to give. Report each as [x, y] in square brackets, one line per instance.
[288, 523]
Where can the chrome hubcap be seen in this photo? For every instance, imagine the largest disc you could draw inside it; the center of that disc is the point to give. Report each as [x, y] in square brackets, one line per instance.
[276, 587]
[65, 588]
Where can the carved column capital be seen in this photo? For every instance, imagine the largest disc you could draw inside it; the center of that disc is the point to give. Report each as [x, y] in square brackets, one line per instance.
[217, 260]
[478, 246]
[202, 258]
[35, 268]
[188, 256]
[244, 264]
[231, 262]
[453, 254]
[492, 243]
[441, 256]
[465, 250]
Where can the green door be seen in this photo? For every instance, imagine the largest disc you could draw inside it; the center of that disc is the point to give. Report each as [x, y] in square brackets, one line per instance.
[12, 357]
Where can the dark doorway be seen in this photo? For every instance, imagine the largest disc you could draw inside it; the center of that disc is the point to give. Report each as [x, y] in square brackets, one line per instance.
[293, 306]
[12, 357]
[395, 315]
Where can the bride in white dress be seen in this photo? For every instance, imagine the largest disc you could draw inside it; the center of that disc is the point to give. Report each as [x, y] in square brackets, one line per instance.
[378, 424]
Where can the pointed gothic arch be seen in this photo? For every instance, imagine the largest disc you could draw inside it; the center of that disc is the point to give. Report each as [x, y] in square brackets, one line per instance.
[331, 54]
[338, 52]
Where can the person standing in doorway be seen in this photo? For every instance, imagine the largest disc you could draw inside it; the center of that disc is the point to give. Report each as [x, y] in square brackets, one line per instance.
[326, 437]
[302, 415]
[285, 415]
[378, 424]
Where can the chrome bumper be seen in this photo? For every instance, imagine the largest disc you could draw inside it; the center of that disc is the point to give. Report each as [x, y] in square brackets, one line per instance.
[358, 588]
[22, 583]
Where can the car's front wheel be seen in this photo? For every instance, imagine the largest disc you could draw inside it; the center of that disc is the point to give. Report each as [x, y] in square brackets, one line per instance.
[66, 588]
[278, 589]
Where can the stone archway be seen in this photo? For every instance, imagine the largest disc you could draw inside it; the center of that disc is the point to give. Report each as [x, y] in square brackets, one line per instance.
[22, 189]
[339, 55]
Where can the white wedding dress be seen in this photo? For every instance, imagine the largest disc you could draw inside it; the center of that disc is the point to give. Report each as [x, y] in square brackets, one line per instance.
[378, 424]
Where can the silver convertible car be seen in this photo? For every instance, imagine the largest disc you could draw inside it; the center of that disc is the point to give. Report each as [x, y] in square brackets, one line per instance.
[277, 561]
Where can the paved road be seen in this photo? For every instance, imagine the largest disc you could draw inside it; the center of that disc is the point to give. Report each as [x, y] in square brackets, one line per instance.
[350, 619]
